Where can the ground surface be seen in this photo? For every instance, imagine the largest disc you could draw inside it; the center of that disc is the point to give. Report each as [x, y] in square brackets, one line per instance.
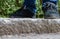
[32, 36]
[13, 28]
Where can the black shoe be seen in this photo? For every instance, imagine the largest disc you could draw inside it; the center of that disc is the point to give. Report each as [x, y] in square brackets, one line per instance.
[50, 14]
[23, 13]
[50, 11]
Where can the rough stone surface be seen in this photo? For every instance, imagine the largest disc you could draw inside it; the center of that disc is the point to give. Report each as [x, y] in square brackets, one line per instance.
[32, 36]
[13, 26]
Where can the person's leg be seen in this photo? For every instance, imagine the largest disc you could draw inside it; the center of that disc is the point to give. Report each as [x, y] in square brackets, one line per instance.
[31, 6]
[28, 10]
[50, 9]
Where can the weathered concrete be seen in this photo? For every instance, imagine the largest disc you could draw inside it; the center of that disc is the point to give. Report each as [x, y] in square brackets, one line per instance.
[13, 26]
[32, 36]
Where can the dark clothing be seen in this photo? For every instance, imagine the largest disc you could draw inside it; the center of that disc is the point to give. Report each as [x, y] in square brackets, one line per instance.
[30, 4]
[29, 9]
[53, 1]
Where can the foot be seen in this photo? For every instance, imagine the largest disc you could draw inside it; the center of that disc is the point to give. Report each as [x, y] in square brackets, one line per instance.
[23, 13]
[50, 11]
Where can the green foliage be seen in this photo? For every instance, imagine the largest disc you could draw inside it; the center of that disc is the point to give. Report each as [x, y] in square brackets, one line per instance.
[9, 6]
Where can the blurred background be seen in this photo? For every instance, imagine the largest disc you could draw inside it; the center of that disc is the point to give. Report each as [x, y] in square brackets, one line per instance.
[9, 6]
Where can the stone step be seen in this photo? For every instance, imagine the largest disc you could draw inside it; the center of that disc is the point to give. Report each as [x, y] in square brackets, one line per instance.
[13, 26]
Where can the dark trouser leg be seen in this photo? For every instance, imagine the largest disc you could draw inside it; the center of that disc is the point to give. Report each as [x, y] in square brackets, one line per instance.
[50, 11]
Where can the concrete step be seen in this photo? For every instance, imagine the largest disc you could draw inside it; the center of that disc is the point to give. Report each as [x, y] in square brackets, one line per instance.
[13, 26]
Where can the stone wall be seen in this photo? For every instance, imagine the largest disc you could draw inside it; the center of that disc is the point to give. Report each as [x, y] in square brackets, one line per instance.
[13, 26]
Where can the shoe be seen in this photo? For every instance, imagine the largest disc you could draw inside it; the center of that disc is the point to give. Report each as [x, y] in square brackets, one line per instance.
[50, 11]
[23, 13]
